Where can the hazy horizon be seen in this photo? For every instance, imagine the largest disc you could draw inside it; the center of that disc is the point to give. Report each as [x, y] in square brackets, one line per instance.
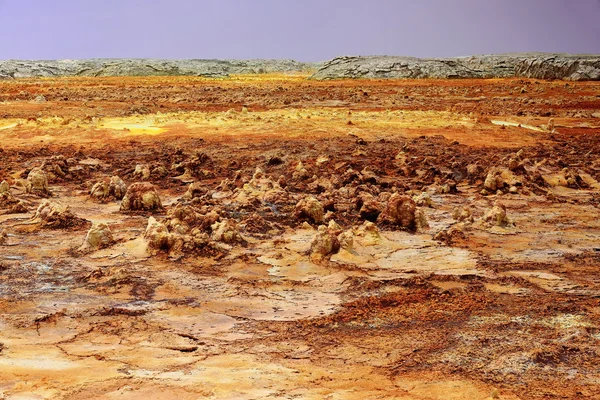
[308, 31]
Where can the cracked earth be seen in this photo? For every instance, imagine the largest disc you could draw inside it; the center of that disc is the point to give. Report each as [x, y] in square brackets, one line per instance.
[272, 237]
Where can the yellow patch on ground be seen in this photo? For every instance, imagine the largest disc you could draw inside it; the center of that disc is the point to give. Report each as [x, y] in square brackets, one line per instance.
[133, 128]
[518, 125]
[9, 126]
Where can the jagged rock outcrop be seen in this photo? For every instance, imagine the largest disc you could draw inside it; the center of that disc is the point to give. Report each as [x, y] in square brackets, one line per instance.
[527, 65]
[145, 67]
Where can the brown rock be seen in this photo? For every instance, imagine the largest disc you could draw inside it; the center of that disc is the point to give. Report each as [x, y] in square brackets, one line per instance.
[98, 237]
[493, 181]
[423, 200]
[37, 182]
[324, 243]
[117, 188]
[309, 209]
[497, 215]
[371, 208]
[141, 196]
[106, 189]
[196, 189]
[4, 189]
[451, 235]
[158, 237]
[400, 211]
[141, 172]
[421, 220]
[226, 231]
[346, 240]
[300, 173]
[100, 191]
[8, 200]
[19, 207]
[55, 215]
[461, 214]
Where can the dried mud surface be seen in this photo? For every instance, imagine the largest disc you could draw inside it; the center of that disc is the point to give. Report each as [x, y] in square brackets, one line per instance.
[294, 239]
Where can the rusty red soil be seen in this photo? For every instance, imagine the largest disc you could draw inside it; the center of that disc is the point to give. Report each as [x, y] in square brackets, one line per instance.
[248, 292]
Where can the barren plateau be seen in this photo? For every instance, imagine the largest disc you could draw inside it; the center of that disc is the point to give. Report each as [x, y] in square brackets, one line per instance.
[276, 237]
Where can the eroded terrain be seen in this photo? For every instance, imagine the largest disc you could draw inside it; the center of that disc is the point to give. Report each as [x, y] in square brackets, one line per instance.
[274, 237]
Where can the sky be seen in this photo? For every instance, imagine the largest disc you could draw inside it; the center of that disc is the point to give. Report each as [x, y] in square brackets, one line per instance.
[305, 30]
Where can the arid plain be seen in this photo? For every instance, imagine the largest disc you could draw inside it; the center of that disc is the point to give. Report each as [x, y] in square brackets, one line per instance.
[270, 236]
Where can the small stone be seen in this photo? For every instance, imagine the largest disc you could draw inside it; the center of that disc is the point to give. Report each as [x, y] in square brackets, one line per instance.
[117, 188]
[55, 215]
[334, 226]
[196, 189]
[493, 180]
[513, 164]
[99, 191]
[451, 235]
[497, 215]
[158, 237]
[18, 208]
[141, 172]
[368, 176]
[421, 220]
[106, 189]
[461, 214]
[306, 225]
[371, 208]
[37, 182]
[309, 209]
[321, 161]
[346, 240]
[400, 211]
[473, 171]
[4, 188]
[423, 200]
[226, 231]
[324, 243]
[161, 171]
[300, 172]
[98, 237]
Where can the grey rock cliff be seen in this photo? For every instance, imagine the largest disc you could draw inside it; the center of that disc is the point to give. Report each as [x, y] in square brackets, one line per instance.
[526, 65]
[146, 67]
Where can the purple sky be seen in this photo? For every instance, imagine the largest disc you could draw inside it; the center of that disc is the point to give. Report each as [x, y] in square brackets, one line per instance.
[306, 30]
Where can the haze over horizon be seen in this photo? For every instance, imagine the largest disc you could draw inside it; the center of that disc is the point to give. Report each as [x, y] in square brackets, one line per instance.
[311, 30]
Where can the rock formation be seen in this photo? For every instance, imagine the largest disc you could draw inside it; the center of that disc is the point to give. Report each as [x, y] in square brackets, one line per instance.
[145, 67]
[526, 65]
[141, 196]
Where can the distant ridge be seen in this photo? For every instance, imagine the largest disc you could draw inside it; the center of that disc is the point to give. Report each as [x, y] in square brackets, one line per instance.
[574, 67]
[12, 69]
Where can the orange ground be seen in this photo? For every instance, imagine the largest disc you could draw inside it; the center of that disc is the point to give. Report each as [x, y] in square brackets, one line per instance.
[507, 312]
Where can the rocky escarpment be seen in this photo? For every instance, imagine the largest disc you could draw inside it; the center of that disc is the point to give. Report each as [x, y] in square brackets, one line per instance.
[525, 65]
[146, 67]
